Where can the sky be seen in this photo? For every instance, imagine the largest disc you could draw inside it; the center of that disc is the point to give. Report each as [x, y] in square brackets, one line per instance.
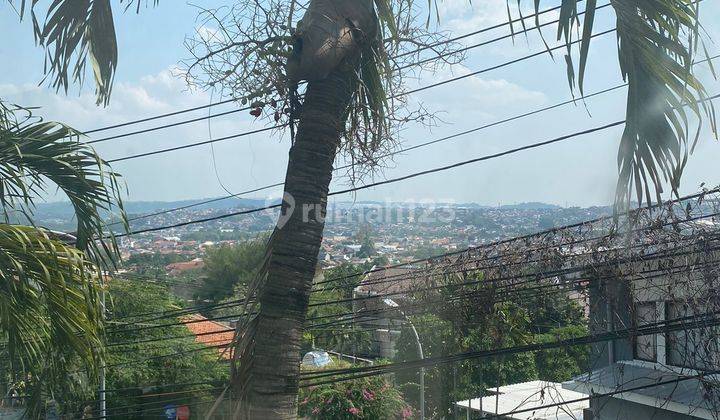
[580, 172]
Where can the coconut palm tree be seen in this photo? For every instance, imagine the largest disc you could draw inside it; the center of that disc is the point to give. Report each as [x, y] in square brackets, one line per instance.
[343, 49]
[50, 310]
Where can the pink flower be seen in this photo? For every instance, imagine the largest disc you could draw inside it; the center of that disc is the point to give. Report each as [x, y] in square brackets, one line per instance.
[354, 411]
[316, 410]
[305, 401]
[368, 395]
[329, 400]
[406, 413]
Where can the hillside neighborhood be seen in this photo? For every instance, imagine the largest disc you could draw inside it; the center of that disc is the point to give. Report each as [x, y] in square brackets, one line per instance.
[360, 210]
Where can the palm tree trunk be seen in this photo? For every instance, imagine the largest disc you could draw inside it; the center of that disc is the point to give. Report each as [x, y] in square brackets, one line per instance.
[284, 298]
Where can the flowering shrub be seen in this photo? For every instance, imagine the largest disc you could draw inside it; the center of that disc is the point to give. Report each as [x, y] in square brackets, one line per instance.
[365, 398]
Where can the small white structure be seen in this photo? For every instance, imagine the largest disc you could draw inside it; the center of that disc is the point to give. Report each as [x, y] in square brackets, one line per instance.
[316, 358]
[525, 401]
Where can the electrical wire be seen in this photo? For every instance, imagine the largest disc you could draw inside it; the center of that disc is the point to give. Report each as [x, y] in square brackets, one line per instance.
[658, 327]
[388, 181]
[200, 143]
[407, 149]
[398, 95]
[415, 51]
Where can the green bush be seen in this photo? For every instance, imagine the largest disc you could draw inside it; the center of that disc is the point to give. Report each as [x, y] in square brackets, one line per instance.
[365, 398]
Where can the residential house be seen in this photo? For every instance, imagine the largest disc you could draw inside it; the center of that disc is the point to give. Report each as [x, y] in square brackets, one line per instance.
[177, 268]
[528, 400]
[211, 333]
[663, 376]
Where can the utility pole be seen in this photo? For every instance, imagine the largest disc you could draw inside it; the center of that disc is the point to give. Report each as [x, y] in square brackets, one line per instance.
[101, 390]
[391, 303]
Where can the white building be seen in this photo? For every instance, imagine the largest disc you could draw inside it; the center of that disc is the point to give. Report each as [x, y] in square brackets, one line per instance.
[527, 400]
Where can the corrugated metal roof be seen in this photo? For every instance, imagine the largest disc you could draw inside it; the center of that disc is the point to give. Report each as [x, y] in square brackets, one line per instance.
[687, 396]
[529, 396]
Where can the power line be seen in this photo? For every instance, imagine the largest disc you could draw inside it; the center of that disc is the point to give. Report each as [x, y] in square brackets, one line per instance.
[662, 326]
[213, 200]
[507, 293]
[418, 146]
[201, 143]
[161, 127]
[407, 149]
[520, 238]
[415, 51]
[152, 327]
[505, 64]
[500, 294]
[621, 390]
[489, 28]
[172, 314]
[533, 276]
[525, 30]
[156, 117]
[389, 181]
[422, 88]
[497, 257]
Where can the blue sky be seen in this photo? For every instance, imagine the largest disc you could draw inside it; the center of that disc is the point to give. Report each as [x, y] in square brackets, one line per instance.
[580, 172]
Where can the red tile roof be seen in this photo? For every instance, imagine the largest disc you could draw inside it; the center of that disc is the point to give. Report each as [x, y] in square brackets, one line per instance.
[179, 267]
[211, 333]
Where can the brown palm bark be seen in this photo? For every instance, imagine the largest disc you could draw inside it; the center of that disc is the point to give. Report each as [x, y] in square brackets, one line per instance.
[273, 382]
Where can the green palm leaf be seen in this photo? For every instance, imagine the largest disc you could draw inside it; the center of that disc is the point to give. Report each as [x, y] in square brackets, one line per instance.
[73, 33]
[657, 40]
[35, 155]
[50, 312]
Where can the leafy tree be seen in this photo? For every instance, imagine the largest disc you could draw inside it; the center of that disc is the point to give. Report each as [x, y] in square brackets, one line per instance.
[138, 366]
[470, 319]
[367, 246]
[153, 264]
[438, 338]
[348, 277]
[427, 251]
[559, 365]
[549, 311]
[229, 268]
[343, 336]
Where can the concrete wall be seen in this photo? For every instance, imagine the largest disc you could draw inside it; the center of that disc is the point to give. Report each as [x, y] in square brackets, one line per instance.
[608, 408]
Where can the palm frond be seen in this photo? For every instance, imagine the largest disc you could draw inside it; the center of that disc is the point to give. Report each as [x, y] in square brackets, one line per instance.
[657, 41]
[50, 310]
[73, 33]
[35, 155]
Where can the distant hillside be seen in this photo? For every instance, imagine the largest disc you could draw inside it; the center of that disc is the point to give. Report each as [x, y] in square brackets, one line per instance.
[63, 210]
[533, 205]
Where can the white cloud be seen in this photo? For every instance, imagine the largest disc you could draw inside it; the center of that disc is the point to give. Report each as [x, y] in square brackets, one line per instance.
[475, 95]
[183, 174]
